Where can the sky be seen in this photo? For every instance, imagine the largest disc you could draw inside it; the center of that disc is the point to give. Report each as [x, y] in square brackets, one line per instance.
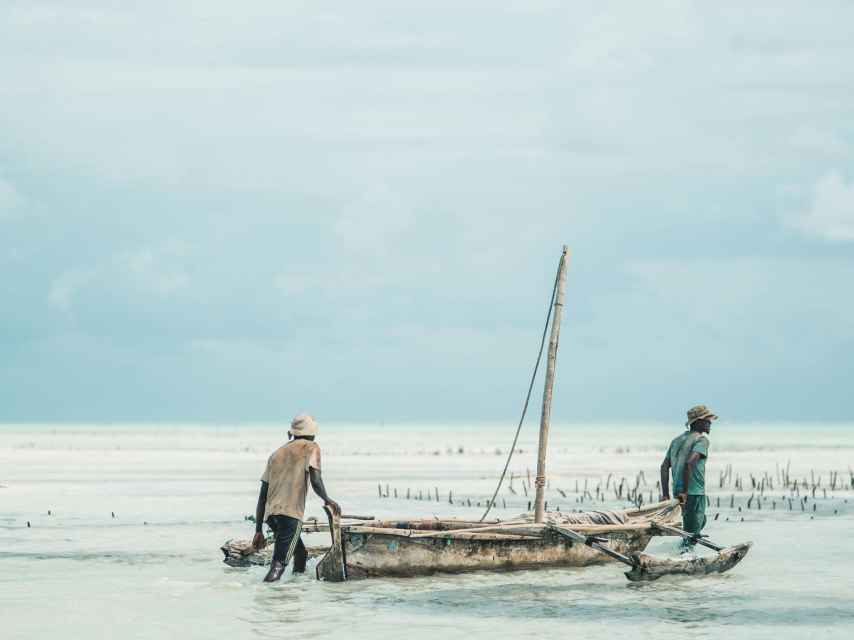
[228, 212]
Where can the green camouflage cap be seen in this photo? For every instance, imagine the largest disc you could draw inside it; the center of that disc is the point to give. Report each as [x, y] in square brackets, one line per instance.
[699, 412]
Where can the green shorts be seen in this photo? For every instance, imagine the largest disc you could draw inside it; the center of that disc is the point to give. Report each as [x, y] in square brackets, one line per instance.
[694, 514]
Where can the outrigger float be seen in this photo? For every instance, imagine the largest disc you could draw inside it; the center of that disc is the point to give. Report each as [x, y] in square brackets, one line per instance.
[365, 547]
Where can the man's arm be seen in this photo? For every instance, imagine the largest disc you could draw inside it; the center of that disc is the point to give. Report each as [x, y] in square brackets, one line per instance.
[665, 479]
[686, 473]
[320, 490]
[259, 542]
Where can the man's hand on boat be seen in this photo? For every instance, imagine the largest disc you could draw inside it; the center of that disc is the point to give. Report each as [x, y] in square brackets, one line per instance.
[336, 508]
[682, 497]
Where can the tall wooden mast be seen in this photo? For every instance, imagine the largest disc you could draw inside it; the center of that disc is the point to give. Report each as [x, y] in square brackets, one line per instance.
[539, 509]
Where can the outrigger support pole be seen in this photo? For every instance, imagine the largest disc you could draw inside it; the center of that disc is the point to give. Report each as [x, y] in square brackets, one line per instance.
[545, 417]
[645, 567]
[696, 538]
[595, 542]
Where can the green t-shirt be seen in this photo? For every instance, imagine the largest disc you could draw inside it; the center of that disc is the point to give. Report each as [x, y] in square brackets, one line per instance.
[680, 450]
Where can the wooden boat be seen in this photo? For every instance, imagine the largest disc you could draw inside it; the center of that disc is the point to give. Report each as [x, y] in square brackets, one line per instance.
[407, 547]
[648, 567]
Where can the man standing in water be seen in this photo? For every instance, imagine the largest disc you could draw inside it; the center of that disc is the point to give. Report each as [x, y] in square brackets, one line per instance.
[282, 498]
[686, 458]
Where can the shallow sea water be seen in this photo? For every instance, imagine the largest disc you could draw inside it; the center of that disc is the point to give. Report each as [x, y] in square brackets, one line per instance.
[178, 491]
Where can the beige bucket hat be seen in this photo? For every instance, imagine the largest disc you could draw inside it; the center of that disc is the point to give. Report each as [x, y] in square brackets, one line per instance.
[303, 425]
[699, 412]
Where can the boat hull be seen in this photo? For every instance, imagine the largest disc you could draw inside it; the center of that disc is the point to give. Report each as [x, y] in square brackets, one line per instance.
[406, 547]
[385, 555]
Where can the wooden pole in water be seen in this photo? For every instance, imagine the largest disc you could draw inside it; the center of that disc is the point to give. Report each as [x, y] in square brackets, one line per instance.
[540, 481]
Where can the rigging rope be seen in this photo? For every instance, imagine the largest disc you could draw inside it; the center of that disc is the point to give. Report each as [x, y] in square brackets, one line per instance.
[491, 503]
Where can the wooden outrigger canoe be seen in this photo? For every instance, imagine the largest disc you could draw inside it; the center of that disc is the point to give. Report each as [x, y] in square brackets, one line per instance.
[409, 548]
[413, 548]
[378, 548]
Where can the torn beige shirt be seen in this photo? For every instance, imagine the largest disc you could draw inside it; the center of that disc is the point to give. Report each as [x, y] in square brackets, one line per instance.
[287, 478]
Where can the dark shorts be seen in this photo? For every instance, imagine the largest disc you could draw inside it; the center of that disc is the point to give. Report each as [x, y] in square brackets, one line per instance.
[288, 542]
[694, 514]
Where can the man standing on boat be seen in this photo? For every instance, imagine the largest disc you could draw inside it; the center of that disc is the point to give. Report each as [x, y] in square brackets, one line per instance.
[686, 459]
[282, 498]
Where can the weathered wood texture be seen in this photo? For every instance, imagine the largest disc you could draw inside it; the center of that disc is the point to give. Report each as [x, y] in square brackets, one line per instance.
[332, 567]
[545, 416]
[600, 544]
[314, 525]
[423, 546]
[649, 567]
[386, 554]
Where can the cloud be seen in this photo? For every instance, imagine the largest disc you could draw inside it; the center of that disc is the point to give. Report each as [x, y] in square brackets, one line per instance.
[358, 189]
[584, 78]
[10, 199]
[154, 269]
[831, 213]
[760, 302]
[295, 283]
[366, 235]
[819, 141]
[374, 223]
[151, 270]
[65, 288]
